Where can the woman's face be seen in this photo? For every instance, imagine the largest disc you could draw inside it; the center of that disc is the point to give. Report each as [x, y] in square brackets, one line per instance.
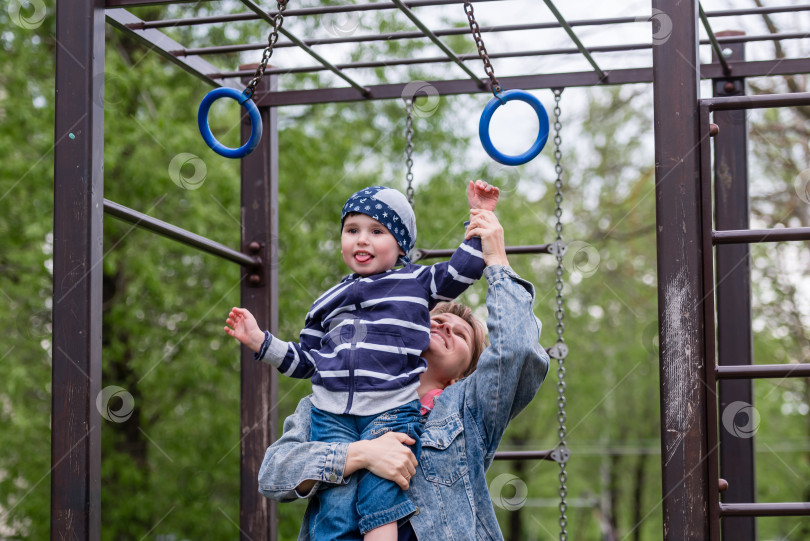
[450, 350]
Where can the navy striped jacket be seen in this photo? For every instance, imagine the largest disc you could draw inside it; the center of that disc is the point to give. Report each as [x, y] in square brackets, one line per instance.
[363, 338]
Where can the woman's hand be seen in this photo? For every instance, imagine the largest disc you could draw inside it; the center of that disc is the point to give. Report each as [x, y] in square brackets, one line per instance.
[484, 224]
[482, 195]
[385, 457]
[242, 326]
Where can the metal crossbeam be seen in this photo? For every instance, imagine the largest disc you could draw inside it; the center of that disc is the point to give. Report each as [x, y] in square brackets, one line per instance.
[471, 56]
[761, 68]
[393, 36]
[173, 232]
[575, 39]
[450, 54]
[524, 455]
[420, 255]
[322, 10]
[437, 59]
[163, 45]
[760, 235]
[258, 10]
[787, 509]
[756, 102]
[715, 45]
[758, 371]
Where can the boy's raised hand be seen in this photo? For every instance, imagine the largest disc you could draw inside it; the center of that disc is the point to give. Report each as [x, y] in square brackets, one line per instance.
[482, 195]
[242, 326]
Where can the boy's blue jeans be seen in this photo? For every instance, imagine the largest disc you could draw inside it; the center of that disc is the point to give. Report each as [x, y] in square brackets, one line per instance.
[339, 513]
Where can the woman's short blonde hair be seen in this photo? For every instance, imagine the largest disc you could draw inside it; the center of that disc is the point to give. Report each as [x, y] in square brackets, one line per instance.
[479, 333]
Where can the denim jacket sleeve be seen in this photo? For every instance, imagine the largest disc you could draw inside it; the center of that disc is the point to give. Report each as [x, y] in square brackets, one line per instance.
[512, 368]
[293, 459]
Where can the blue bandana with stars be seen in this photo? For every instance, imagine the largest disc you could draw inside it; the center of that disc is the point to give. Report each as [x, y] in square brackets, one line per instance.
[389, 207]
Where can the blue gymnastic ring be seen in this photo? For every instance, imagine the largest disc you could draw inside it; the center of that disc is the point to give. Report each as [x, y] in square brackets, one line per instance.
[255, 122]
[486, 117]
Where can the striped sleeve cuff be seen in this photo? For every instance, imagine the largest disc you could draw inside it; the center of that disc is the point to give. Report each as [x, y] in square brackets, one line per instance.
[268, 338]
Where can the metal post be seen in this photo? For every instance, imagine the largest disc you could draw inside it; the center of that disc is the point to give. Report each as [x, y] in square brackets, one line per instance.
[676, 80]
[258, 516]
[78, 236]
[734, 337]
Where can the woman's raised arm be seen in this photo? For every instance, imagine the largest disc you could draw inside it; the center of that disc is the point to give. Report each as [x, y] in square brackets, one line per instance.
[512, 368]
[484, 224]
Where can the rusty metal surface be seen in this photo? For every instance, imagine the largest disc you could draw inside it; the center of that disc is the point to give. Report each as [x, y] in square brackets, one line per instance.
[258, 515]
[680, 276]
[77, 272]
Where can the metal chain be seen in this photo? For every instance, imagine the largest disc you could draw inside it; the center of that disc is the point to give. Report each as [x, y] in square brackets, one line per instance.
[482, 51]
[560, 349]
[409, 148]
[278, 20]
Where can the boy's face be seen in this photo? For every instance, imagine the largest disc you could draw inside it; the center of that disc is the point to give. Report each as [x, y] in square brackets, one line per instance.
[367, 246]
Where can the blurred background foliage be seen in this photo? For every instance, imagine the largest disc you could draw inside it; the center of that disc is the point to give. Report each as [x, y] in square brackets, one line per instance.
[171, 471]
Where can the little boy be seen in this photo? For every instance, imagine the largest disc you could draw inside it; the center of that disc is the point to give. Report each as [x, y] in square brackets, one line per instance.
[361, 346]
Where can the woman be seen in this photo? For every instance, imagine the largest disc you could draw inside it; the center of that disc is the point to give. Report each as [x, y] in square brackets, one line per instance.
[461, 432]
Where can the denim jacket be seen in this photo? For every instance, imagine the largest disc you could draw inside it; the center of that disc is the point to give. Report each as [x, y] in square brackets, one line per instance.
[461, 433]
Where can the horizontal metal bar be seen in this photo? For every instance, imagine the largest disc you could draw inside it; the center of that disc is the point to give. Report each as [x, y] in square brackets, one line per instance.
[163, 44]
[758, 10]
[235, 17]
[743, 236]
[574, 38]
[759, 37]
[250, 4]
[394, 36]
[419, 254]
[381, 5]
[431, 60]
[734, 103]
[762, 371]
[473, 56]
[524, 455]
[528, 82]
[436, 41]
[416, 3]
[128, 3]
[797, 509]
[390, 36]
[175, 233]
